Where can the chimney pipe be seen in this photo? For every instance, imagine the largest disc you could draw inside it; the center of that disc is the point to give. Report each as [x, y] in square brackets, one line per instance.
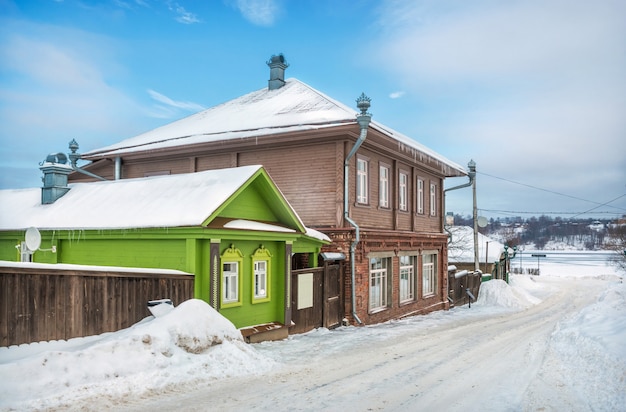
[277, 66]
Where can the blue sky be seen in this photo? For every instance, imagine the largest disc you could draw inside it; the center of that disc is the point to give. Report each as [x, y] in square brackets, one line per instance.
[534, 91]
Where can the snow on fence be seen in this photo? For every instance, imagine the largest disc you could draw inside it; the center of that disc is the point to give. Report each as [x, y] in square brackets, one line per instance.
[40, 302]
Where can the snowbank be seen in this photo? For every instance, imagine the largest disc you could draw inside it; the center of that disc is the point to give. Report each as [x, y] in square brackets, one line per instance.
[191, 344]
[498, 293]
[587, 353]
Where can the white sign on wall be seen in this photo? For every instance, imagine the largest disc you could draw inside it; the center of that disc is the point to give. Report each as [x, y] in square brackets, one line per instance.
[305, 291]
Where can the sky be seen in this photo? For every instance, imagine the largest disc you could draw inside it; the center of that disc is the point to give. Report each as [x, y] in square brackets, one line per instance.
[191, 346]
[533, 91]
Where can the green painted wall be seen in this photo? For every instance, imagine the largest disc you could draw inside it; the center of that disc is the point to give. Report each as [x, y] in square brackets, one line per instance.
[250, 313]
[250, 204]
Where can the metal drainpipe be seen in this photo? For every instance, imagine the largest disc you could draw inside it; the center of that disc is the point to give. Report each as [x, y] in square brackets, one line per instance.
[118, 168]
[364, 119]
[472, 175]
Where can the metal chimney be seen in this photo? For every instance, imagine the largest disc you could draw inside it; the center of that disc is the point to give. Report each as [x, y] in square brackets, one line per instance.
[277, 72]
[55, 171]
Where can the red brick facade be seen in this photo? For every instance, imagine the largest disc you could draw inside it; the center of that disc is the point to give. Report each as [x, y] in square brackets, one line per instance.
[390, 244]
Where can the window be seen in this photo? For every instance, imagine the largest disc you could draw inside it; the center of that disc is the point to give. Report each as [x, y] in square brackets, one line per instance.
[361, 181]
[378, 283]
[420, 196]
[384, 186]
[261, 277]
[232, 262]
[407, 278]
[433, 199]
[429, 274]
[230, 282]
[402, 191]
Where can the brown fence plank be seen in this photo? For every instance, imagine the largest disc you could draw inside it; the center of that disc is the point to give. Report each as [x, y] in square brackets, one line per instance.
[40, 304]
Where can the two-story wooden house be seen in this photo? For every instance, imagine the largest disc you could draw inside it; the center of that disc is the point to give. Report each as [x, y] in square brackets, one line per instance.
[376, 193]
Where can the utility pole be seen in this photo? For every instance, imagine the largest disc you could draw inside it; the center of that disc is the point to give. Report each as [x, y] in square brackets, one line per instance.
[472, 166]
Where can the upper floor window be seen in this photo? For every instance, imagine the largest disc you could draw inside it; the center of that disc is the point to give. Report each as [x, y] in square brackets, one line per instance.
[433, 199]
[402, 191]
[362, 181]
[420, 196]
[383, 186]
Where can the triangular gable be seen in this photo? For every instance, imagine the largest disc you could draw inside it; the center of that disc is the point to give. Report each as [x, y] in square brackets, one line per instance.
[258, 199]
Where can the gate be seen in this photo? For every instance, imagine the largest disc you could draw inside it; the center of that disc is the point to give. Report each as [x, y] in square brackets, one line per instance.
[316, 298]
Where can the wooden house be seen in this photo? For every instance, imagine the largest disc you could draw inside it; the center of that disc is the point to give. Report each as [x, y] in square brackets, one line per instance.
[375, 192]
[231, 228]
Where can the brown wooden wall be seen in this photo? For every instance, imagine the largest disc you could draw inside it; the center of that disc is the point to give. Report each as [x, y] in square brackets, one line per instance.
[50, 304]
[308, 169]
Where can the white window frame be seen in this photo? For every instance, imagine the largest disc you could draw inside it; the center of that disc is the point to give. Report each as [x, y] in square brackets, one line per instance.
[383, 186]
[378, 283]
[230, 282]
[402, 191]
[261, 275]
[429, 273]
[362, 166]
[420, 196]
[433, 199]
[407, 278]
[260, 279]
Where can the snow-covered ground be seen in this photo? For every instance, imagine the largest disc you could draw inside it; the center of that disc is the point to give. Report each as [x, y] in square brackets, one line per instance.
[551, 342]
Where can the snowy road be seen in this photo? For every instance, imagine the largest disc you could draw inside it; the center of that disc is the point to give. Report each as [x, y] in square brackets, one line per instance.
[496, 362]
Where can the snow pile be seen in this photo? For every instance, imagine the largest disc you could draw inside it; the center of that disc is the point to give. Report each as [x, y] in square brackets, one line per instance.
[190, 344]
[588, 353]
[498, 293]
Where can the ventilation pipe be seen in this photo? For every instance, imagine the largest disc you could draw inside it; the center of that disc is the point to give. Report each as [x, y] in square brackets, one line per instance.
[74, 158]
[55, 171]
[363, 119]
[277, 66]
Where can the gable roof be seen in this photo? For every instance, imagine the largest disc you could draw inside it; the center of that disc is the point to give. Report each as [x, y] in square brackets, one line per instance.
[294, 107]
[190, 199]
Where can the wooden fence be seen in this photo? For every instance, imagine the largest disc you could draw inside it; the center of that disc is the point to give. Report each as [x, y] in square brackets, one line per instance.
[42, 303]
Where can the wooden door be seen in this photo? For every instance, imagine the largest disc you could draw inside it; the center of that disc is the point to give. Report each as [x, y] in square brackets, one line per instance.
[333, 312]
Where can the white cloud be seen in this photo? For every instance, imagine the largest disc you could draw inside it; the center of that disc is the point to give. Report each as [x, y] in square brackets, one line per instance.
[183, 16]
[534, 90]
[187, 106]
[396, 95]
[259, 12]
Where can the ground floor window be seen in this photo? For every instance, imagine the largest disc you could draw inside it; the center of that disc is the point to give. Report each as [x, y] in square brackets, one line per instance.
[429, 274]
[378, 283]
[232, 262]
[261, 276]
[407, 278]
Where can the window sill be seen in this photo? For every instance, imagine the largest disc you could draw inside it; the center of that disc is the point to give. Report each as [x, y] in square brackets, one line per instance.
[230, 305]
[377, 310]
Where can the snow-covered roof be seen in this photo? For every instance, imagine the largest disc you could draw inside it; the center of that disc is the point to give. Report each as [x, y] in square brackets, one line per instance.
[294, 107]
[160, 201]
[461, 247]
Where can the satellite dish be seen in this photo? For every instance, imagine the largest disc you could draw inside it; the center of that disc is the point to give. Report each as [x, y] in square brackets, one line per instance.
[482, 221]
[32, 239]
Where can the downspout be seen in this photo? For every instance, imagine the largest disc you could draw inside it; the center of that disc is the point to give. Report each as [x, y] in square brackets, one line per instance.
[74, 158]
[363, 103]
[118, 168]
[471, 175]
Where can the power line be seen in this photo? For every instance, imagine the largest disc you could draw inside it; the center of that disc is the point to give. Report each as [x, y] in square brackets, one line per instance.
[519, 212]
[560, 194]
